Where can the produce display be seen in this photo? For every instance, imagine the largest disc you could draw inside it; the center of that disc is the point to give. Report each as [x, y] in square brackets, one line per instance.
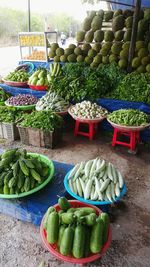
[51, 101]
[3, 95]
[22, 100]
[105, 38]
[44, 120]
[79, 82]
[133, 87]
[32, 40]
[129, 117]
[9, 114]
[76, 232]
[96, 180]
[20, 172]
[39, 77]
[17, 76]
[88, 110]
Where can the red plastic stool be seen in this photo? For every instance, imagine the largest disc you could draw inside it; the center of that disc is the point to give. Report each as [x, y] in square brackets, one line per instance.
[92, 129]
[134, 138]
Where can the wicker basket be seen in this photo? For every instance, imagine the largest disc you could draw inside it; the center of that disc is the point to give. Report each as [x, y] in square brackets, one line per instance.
[9, 131]
[37, 137]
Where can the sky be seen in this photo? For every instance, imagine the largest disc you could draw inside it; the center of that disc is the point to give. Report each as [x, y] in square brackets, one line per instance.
[70, 7]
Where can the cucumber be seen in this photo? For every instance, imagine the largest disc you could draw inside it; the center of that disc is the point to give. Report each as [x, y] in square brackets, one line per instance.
[63, 203]
[90, 219]
[86, 210]
[67, 218]
[67, 241]
[104, 216]
[60, 234]
[50, 209]
[96, 240]
[52, 227]
[71, 210]
[79, 241]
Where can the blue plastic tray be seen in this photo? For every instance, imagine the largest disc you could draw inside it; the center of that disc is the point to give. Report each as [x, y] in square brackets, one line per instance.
[91, 201]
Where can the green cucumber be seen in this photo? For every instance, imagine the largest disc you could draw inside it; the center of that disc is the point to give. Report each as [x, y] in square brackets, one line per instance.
[63, 203]
[79, 241]
[105, 217]
[67, 241]
[96, 240]
[52, 227]
[60, 234]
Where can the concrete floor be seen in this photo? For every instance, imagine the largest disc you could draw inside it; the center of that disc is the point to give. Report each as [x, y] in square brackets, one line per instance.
[20, 242]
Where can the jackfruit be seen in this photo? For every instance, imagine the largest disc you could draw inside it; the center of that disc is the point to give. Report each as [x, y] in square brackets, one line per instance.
[108, 15]
[145, 61]
[92, 53]
[148, 68]
[92, 14]
[113, 58]
[80, 58]
[118, 23]
[105, 59]
[51, 54]
[104, 52]
[87, 24]
[143, 25]
[142, 52]
[80, 36]
[126, 46]
[107, 46]
[71, 58]
[136, 62]
[86, 48]
[54, 46]
[97, 59]
[124, 54]
[94, 65]
[78, 51]
[127, 35]
[63, 58]
[117, 12]
[101, 13]
[119, 35]
[123, 63]
[96, 23]
[88, 60]
[141, 69]
[129, 22]
[140, 36]
[56, 59]
[116, 48]
[96, 47]
[72, 46]
[147, 14]
[147, 37]
[108, 36]
[59, 51]
[139, 45]
[127, 13]
[98, 36]
[68, 51]
[89, 36]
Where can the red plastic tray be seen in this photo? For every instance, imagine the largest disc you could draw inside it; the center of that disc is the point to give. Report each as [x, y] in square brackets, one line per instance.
[38, 87]
[53, 248]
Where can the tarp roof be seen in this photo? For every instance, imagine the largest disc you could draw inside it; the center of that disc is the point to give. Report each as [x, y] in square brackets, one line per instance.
[145, 3]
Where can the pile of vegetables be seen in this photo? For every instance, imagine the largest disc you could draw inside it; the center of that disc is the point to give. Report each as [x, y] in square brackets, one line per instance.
[22, 100]
[129, 117]
[88, 110]
[78, 81]
[133, 87]
[17, 76]
[96, 180]
[3, 95]
[44, 120]
[51, 101]
[9, 114]
[20, 172]
[39, 77]
[76, 232]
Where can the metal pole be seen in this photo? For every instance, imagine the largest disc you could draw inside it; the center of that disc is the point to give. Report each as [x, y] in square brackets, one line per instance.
[134, 33]
[29, 17]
